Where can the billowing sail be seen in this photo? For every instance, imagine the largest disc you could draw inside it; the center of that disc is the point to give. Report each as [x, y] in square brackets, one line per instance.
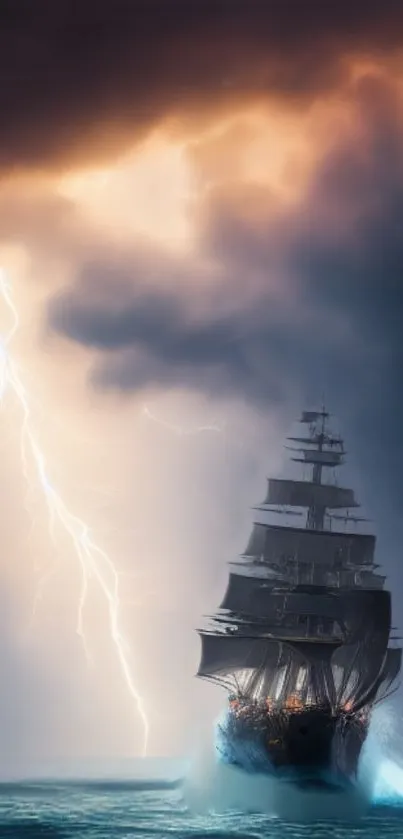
[255, 596]
[321, 615]
[308, 494]
[257, 542]
[263, 603]
[223, 653]
[366, 674]
[273, 542]
[241, 591]
[369, 615]
[360, 663]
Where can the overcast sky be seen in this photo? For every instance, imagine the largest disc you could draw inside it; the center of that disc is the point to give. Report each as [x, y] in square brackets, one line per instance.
[201, 214]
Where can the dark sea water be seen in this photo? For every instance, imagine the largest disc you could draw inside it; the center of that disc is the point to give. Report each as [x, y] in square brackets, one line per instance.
[123, 810]
[199, 799]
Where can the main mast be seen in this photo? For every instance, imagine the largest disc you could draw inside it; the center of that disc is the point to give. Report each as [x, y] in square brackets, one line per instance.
[324, 450]
[316, 515]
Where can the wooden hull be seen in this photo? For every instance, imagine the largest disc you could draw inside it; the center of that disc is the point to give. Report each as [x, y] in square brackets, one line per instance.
[309, 746]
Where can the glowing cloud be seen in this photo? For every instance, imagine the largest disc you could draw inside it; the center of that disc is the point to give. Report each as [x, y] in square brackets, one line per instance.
[147, 193]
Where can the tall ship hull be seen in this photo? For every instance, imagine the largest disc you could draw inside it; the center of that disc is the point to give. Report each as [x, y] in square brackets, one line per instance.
[302, 641]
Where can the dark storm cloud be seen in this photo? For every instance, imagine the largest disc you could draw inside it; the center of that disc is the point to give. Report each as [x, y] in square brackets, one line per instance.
[159, 344]
[339, 327]
[85, 75]
[340, 251]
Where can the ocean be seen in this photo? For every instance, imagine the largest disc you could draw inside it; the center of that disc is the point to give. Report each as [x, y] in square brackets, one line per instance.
[140, 808]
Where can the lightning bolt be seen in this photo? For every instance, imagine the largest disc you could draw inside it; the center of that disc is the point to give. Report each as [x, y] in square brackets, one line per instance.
[179, 429]
[94, 563]
[236, 438]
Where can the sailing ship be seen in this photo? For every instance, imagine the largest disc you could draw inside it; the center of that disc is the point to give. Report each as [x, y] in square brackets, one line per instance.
[303, 639]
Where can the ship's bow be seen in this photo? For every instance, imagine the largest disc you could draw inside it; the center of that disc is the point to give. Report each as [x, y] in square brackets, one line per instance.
[311, 746]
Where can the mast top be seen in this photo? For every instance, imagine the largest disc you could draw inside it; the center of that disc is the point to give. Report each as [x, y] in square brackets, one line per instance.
[321, 449]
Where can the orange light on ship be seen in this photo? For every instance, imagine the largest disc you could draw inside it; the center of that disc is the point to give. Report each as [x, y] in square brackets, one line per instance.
[293, 703]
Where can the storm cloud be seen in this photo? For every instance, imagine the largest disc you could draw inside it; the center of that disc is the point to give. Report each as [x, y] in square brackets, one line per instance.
[338, 254]
[82, 80]
[337, 326]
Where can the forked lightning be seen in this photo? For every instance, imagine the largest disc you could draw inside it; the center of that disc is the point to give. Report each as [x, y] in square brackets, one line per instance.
[92, 560]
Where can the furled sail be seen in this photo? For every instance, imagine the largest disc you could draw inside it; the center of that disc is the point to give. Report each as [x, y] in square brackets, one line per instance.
[318, 438]
[308, 494]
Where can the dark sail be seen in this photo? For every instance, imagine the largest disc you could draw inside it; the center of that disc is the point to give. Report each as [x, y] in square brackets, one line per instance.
[242, 590]
[355, 611]
[274, 543]
[308, 494]
[221, 653]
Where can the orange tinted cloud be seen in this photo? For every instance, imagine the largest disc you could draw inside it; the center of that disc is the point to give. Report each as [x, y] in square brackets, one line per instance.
[82, 81]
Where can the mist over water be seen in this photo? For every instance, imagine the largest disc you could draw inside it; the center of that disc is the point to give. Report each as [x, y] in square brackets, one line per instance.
[214, 786]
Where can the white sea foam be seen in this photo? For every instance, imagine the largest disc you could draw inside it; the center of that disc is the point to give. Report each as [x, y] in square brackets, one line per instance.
[216, 787]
